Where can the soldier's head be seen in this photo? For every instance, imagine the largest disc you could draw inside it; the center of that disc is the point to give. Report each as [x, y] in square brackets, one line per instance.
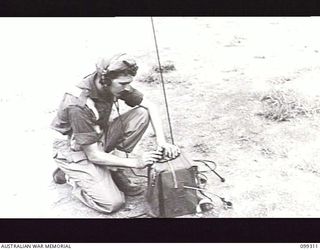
[116, 74]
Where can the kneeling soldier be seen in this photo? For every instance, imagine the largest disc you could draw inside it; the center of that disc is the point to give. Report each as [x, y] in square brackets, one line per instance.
[89, 157]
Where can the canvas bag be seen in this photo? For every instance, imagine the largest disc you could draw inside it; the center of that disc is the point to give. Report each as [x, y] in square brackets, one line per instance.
[166, 195]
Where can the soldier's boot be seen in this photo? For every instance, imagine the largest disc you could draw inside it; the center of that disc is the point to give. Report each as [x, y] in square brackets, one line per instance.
[59, 177]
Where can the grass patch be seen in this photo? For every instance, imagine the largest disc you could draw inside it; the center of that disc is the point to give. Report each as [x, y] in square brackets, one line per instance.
[283, 105]
[153, 76]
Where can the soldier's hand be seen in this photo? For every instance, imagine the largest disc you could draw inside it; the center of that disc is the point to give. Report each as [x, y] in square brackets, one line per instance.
[148, 158]
[170, 150]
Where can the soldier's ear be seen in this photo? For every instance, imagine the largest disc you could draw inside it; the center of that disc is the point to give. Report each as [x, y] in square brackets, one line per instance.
[108, 81]
[104, 79]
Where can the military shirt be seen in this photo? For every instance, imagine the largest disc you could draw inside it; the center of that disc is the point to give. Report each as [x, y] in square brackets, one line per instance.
[75, 118]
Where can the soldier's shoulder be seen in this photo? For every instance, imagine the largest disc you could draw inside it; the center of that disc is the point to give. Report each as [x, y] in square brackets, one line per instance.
[73, 98]
[74, 91]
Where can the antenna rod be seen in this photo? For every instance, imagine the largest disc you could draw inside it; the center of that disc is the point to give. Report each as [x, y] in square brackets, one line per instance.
[162, 82]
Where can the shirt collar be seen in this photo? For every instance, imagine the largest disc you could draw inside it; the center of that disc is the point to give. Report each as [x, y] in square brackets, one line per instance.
[87, 84]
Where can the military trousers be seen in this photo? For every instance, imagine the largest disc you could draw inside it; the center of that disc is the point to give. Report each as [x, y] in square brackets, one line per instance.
[92, 184]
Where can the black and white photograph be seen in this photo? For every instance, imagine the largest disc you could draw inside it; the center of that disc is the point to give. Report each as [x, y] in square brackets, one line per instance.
[160, 117]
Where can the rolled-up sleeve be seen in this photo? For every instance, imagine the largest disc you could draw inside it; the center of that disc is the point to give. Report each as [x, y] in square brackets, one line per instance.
[133, 97]
[82, 126]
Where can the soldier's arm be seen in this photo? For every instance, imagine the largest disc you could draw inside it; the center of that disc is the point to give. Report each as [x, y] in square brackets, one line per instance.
[155, 119]
[86, 136]
[170, 149]
[96, 155]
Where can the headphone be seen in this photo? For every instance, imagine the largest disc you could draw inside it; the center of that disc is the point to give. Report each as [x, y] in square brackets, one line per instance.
[105, 79]
[107, 75]
[102, 67]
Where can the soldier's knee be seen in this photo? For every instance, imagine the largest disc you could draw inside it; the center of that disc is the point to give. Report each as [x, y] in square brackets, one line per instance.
[143, 113]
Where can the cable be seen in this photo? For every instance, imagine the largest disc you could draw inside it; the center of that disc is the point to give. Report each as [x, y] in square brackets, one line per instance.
[215, 164]
[139, 175]
[227, 203]
[116, 103]
[162, 82]
[206, 164]
[201, 192]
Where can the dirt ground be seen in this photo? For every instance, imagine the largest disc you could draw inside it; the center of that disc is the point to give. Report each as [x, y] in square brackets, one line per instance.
[223, 68]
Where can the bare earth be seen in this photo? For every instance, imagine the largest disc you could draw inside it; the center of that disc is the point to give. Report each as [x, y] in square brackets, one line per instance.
[223, 67]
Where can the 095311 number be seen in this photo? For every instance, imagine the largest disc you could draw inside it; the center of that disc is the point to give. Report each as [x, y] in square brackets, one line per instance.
[309, 245]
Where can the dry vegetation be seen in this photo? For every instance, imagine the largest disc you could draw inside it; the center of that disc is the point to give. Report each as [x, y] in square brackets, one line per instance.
[214, 106]
[153, 76]
[247, 99]
[283, 105]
